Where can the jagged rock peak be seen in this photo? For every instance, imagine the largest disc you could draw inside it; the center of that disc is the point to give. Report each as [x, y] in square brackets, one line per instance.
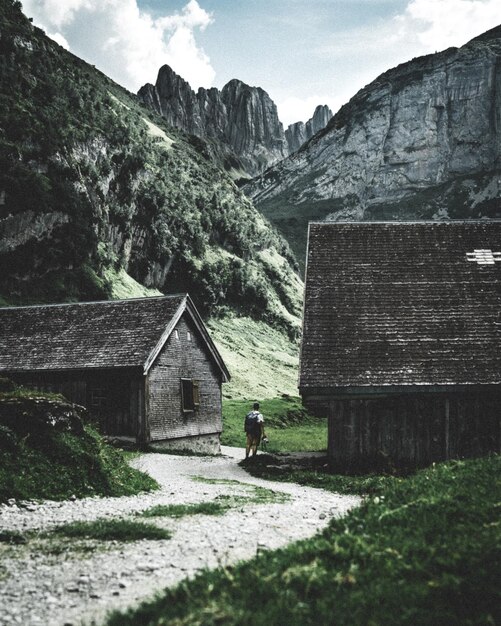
[321, 117]
[242, 118]
[174, 99]
[299, 132]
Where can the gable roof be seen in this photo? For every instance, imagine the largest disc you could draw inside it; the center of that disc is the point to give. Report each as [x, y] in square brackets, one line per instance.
[402, 303]
[109, 334]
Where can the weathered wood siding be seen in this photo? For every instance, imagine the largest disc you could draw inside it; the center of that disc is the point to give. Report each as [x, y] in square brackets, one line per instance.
[181, 358]
[114, 397]
[412, 429]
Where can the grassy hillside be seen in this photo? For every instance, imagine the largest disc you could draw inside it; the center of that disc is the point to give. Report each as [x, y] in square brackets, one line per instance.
[426, 551]
[263, 362]
[94, 186]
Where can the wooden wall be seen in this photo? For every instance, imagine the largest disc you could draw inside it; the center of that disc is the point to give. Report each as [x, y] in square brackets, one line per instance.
[412, 430]
[182, 358]
[115, 398]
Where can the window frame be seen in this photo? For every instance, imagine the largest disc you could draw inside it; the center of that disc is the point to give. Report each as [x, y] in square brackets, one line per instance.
[190, 395]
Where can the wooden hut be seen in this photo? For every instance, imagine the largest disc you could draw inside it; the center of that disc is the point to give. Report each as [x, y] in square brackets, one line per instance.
[401, 343]
[146, 368]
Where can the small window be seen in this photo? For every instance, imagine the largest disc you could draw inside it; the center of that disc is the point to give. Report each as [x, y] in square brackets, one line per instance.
[188, 335]
[190, 394]
[176, 334]
[97, 397]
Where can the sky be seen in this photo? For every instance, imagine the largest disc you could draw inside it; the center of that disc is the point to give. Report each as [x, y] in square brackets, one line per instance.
[302, 52]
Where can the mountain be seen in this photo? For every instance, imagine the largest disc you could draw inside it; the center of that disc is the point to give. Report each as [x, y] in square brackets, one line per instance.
[242, 120]
[299, 132]
[100, 198]
[421, 141]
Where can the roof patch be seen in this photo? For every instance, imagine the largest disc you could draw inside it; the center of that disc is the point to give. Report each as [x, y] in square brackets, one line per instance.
[483, 256]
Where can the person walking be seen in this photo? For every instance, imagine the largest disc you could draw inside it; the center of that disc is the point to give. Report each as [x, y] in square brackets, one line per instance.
[254, 429]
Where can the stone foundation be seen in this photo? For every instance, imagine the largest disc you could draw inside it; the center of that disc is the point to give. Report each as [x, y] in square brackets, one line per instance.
[201, 444]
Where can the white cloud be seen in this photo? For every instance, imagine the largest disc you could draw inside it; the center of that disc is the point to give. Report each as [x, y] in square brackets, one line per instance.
[127, 43]
[57, 12]
[439, 24]
[424, 27]
[60, 39]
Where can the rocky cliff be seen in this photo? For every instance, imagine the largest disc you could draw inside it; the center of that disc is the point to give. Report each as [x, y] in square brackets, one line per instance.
[95, 190]
[242, 119]
[421, 141]
[299, 132]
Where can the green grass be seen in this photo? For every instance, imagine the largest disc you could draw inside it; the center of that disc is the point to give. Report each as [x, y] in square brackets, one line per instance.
[254, 494]
[289, 427]
[112, 530]
[12, 536]
[426, 551]
[66, 465]
[181, 510]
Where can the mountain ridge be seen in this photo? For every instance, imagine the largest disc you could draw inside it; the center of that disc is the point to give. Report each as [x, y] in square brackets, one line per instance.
[242, 118]
[421, 141]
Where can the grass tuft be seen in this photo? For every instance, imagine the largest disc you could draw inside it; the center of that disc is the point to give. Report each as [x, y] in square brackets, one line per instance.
[112, 530]
[38, 460]
[222, 503]
[12, 536]
[181, 510]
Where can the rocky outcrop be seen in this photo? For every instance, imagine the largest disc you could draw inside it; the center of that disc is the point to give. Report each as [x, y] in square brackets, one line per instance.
[299, 133]
[18, 229]
[252, 127]
[174, 99]
[243, 119]
[421, 141]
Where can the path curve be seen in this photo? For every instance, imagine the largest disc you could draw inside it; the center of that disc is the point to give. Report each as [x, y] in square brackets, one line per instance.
[62, 590]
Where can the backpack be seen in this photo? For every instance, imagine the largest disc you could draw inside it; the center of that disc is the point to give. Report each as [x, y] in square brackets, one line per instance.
[251, 424]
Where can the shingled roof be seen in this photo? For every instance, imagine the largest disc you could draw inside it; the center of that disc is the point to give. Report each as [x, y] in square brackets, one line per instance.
[402, 303]
[110, 334]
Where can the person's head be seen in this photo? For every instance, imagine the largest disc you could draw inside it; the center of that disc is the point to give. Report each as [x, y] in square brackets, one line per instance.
[255, 406]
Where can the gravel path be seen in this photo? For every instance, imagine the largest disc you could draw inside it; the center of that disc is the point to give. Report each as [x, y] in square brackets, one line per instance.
[45, 589]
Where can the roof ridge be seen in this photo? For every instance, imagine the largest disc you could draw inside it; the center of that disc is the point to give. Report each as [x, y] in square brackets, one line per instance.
[113, 301]
[407, 222]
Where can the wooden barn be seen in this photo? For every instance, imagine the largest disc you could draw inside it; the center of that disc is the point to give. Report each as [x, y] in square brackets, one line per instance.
[401, 340]
[146, 368]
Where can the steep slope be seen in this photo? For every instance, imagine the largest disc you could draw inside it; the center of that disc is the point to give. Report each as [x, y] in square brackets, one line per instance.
[94, 188]
[421, 141]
